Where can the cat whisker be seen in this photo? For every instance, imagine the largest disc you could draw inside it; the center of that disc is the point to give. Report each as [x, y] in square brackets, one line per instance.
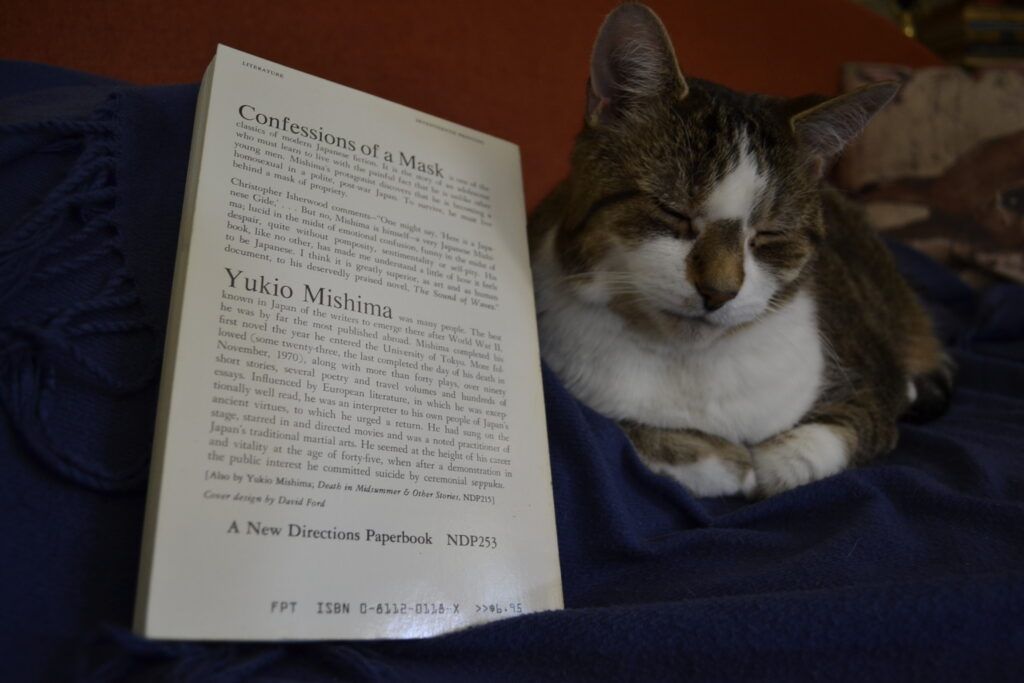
[612, 289]
[604, 277]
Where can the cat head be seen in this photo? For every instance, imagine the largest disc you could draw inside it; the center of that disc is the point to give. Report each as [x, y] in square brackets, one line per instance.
[690, 204]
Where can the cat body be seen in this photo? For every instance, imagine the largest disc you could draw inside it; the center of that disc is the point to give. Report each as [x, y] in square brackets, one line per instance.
[698, 283]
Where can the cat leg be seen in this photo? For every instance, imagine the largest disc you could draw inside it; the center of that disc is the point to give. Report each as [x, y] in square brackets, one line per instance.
[806, 453]
[706, 465]
[834, 437]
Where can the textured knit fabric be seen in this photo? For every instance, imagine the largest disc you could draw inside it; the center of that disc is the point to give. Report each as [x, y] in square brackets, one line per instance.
[911, 568]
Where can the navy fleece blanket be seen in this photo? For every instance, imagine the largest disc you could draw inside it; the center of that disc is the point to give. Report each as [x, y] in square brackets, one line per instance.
[911, 568]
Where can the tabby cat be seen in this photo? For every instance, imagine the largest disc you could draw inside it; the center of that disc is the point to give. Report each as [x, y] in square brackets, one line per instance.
[698, 282]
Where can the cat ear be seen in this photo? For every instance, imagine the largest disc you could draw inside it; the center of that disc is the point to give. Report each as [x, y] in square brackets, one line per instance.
[825, 129]
[632, 62]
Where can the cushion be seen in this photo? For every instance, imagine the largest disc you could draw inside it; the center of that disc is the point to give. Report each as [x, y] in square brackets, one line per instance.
[942, 167]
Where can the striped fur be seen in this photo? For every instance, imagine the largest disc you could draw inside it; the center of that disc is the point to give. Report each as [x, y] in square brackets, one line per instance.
[697, 281]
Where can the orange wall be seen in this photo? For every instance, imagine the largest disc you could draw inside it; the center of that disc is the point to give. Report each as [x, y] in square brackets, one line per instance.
[514, 69]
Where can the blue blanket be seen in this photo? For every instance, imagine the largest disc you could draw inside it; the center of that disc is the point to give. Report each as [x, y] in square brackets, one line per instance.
[909, 568]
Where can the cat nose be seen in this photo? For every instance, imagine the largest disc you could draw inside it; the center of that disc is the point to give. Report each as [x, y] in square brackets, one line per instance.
[716, 298]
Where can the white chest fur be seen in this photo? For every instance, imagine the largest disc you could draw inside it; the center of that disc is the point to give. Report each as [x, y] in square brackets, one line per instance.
[745, 386]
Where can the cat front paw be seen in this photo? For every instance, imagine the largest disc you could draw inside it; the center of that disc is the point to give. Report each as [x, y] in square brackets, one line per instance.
[710, 475]
[707, 465]
[799, 456]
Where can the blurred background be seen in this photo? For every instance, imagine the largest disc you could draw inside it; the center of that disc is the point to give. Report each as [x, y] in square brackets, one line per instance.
[974, 34]
[942, 167]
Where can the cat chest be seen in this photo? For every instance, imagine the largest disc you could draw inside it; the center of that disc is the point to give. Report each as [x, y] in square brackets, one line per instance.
[746, 387]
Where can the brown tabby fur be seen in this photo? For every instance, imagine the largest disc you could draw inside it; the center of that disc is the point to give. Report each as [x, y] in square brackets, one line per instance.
[648, 157]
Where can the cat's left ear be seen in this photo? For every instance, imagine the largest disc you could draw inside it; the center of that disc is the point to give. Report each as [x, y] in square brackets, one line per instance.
[827, 128]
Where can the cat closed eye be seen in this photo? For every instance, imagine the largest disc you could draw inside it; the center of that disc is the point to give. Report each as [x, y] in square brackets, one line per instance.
[681, 222]
[667, 228]
[767, 238]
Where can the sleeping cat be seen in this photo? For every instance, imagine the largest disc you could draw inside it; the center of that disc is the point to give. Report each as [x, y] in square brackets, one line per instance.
[698, 282]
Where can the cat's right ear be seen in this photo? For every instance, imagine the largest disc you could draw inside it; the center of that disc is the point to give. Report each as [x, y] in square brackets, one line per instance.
[633, 62]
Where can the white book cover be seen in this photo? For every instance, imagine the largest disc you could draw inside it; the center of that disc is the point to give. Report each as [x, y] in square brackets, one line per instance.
[351, 438]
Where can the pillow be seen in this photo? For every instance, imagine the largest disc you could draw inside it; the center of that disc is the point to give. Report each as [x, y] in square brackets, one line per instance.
[942, 167]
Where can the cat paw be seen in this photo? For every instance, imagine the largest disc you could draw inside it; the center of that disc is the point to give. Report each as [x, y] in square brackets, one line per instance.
[707, 465]
[710, 475]
[801, 455]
